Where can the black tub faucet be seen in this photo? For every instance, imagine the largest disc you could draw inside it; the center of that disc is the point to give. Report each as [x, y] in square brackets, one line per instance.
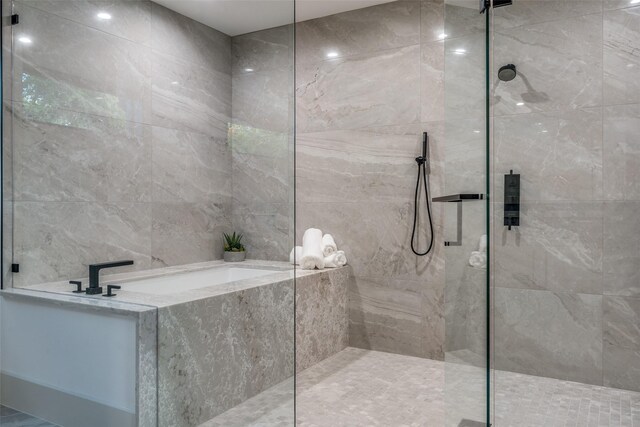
[94, 274]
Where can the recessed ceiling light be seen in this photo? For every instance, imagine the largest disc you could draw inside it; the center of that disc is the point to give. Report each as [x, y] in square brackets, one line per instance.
[104, 16]
[25, 40]
[332, 55]
[520, 104]
[460, 51]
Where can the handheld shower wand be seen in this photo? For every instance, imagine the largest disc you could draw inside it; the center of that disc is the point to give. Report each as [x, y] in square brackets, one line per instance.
[423, 162]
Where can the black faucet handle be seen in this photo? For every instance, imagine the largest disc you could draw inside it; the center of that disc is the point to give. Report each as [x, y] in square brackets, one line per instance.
[78, 285]
[110, 289]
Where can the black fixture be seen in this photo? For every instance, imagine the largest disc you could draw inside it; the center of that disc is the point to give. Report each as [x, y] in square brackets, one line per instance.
[78, 285]
[423, 164]
[110, 288]
[94, 275]
[486, 4]
[15, 268]
[458, 198]
[512, 200]
[508, 72]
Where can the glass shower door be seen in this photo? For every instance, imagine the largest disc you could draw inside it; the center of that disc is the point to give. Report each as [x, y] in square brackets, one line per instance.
[464, 203]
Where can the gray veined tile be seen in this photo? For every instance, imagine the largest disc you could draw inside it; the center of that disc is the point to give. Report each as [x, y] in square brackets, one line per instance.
[464, 79]
[559, 155]
[262, 100]
[77, 82]
[85, 232]
[527, 12]
[356, 165]
[461, 18]
[622, 56]
[375, 89]
[63, 155]
[183, 233]
[558, 248]
[559, 66]
[130, 19]
[621, 248]
[432, 82]
[267, 229]
[432, 21]
[190, 97]
[264, 50]
[176, 35]
[531, 325]
[190, 167]
[622, 322]
[362, 31]
[621, 152]
[262, 179]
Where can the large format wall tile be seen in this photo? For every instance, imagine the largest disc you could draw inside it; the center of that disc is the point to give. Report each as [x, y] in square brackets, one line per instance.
[58, 240]
[559, 155]
[130, 19]
[559, 65]
[558, 247]
[527, 12]
[622, 56]
[621, 248]
[70, 156]
[432, 21]
[190, 167]
[372, 89]
[621, 152]
[181, 37]
[107, 184]
[622, 322]
[184, 233]
[361, 31]
[189, 97]
[432, 82]
[263, 50]
[266, 227]
[365, 164]
[77, 82]
[549, 334]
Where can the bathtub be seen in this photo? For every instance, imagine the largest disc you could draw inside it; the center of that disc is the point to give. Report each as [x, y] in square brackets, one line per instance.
[176, 346]
[191, 280]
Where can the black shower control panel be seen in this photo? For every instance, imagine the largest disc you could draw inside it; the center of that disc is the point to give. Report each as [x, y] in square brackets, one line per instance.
[512, 200]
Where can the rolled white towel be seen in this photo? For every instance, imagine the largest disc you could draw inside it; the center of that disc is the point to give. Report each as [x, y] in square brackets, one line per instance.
[336, 259]
[312, 250]
[296, 255]
[482, 243]
[478, 259]
[328, 245]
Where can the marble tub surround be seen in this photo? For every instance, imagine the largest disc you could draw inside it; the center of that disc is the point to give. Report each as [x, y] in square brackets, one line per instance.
[360, 116]
[164, 110]
[567, 280]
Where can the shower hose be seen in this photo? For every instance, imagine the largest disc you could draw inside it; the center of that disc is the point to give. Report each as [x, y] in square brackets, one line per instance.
[422, 171]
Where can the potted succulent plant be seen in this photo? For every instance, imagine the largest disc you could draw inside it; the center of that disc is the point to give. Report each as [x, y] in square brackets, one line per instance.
[233, 248]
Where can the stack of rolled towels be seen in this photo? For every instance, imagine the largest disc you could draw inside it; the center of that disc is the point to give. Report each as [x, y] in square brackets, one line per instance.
[478, 259]
[317, 251]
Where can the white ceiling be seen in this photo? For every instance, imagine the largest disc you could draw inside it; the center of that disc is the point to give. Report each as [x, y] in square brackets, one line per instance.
[234, 17]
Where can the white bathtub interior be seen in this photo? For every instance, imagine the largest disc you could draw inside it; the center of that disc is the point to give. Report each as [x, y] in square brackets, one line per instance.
[187, 281]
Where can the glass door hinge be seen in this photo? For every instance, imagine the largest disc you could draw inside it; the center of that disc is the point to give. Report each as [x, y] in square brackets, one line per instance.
[15, 19]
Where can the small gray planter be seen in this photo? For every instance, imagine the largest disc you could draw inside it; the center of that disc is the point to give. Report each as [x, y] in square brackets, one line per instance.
[234, 256]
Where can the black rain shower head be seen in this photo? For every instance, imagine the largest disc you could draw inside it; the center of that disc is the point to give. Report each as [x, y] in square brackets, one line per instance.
[506, 73]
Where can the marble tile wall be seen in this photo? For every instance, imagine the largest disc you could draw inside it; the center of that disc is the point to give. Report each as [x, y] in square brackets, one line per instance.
[567, 295]
[261, 139]
[120, 138]
[360, 114]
